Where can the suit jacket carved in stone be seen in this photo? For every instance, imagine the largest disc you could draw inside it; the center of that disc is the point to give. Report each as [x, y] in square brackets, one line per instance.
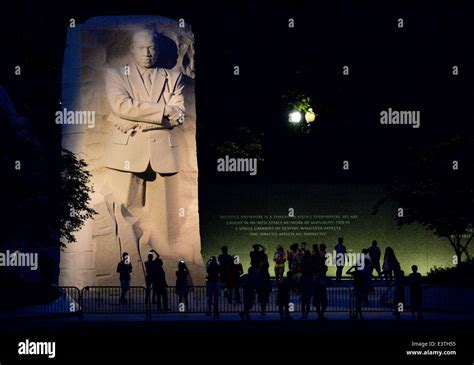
[154, 142]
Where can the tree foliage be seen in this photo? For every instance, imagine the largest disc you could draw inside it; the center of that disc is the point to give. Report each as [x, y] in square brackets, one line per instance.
[436, 190]
[75, 192]
[46, 190]
[242, 143]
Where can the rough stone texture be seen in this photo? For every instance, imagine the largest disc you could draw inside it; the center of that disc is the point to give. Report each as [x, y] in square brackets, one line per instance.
[92, 260]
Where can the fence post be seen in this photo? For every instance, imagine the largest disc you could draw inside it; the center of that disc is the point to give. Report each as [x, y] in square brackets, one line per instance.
[147, 305]
[79, 299]
[81, 296]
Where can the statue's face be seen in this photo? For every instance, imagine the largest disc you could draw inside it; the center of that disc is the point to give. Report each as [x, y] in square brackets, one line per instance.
[144, 49]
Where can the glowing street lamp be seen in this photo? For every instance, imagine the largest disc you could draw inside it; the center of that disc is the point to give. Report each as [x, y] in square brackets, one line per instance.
[310, 116]
[294, 117]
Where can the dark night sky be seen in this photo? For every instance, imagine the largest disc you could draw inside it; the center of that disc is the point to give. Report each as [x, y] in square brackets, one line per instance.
[406, 69]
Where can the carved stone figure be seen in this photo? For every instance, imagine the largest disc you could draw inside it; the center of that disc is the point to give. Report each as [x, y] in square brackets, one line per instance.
[137, 74]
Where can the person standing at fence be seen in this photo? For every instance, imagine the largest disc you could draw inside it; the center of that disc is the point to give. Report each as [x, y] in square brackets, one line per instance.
[124, 268]
[320, 299]
[149, 268]
[390, 263]
[263, 256]
[366, 256]
[362, 288]
[283, 296]
[249, 286]
[225, 260]
[160, 295]
[306, 283]
[293, 259]
[340, 249]
[399, 294]
[301, 251]
[256, 256]
[416, 292]
[316, 259]
[213, 282]
[264, 287]
[235, 271]
[322, 252]
[182, 283]
[375, 254]
[280, 259]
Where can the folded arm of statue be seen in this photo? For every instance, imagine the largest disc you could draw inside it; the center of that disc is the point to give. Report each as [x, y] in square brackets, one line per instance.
[126, 107]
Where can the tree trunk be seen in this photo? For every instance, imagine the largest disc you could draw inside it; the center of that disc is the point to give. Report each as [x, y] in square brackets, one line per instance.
[455, 244]
[459, 250]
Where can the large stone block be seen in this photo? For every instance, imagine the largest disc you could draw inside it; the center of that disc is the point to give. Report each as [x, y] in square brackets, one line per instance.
[135, 214]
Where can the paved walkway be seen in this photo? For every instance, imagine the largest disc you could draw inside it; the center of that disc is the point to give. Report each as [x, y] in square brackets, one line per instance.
[200, 317]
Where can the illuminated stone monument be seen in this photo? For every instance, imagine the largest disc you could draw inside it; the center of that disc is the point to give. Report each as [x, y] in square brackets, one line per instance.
[137, 75]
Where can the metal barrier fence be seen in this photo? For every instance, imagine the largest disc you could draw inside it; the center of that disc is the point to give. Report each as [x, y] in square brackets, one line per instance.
[107, 300]
[68, 302]
[197, 301]
[380, 299]
[433, 299]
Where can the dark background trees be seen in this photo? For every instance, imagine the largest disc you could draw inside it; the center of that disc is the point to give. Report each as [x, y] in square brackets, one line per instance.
[435, 189]
[45, 192]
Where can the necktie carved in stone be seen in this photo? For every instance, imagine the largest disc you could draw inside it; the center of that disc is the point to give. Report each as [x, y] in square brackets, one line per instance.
[147, 79]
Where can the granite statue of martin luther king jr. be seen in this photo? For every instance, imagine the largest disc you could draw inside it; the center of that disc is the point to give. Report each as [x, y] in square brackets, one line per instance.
[146, 104]
[142, 156]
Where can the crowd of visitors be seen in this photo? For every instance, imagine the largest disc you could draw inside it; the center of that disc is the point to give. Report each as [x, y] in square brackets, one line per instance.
[306, 276]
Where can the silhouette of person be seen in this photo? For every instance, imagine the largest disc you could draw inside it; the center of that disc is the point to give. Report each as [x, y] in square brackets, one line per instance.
[257, 256]
[182, 283]
[264, 286]
[283, 296]
[316, 259]
[249, 285]
[399, 295]
[306, 283]
[213, 282]
[416, 292]
[322, 252]
[375, 254]
[160, 294]
[320, 299]
[362, 288]
[280, 259]
[301, 251]
[149, 268]
[225, 260]
[293, 259]
[390, 263]
[263, 256]
[340, 250]
[235, 270]
[124, 268]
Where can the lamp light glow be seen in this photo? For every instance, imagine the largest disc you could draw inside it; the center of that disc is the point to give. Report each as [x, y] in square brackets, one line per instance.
[294, 117]
[310, 116]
